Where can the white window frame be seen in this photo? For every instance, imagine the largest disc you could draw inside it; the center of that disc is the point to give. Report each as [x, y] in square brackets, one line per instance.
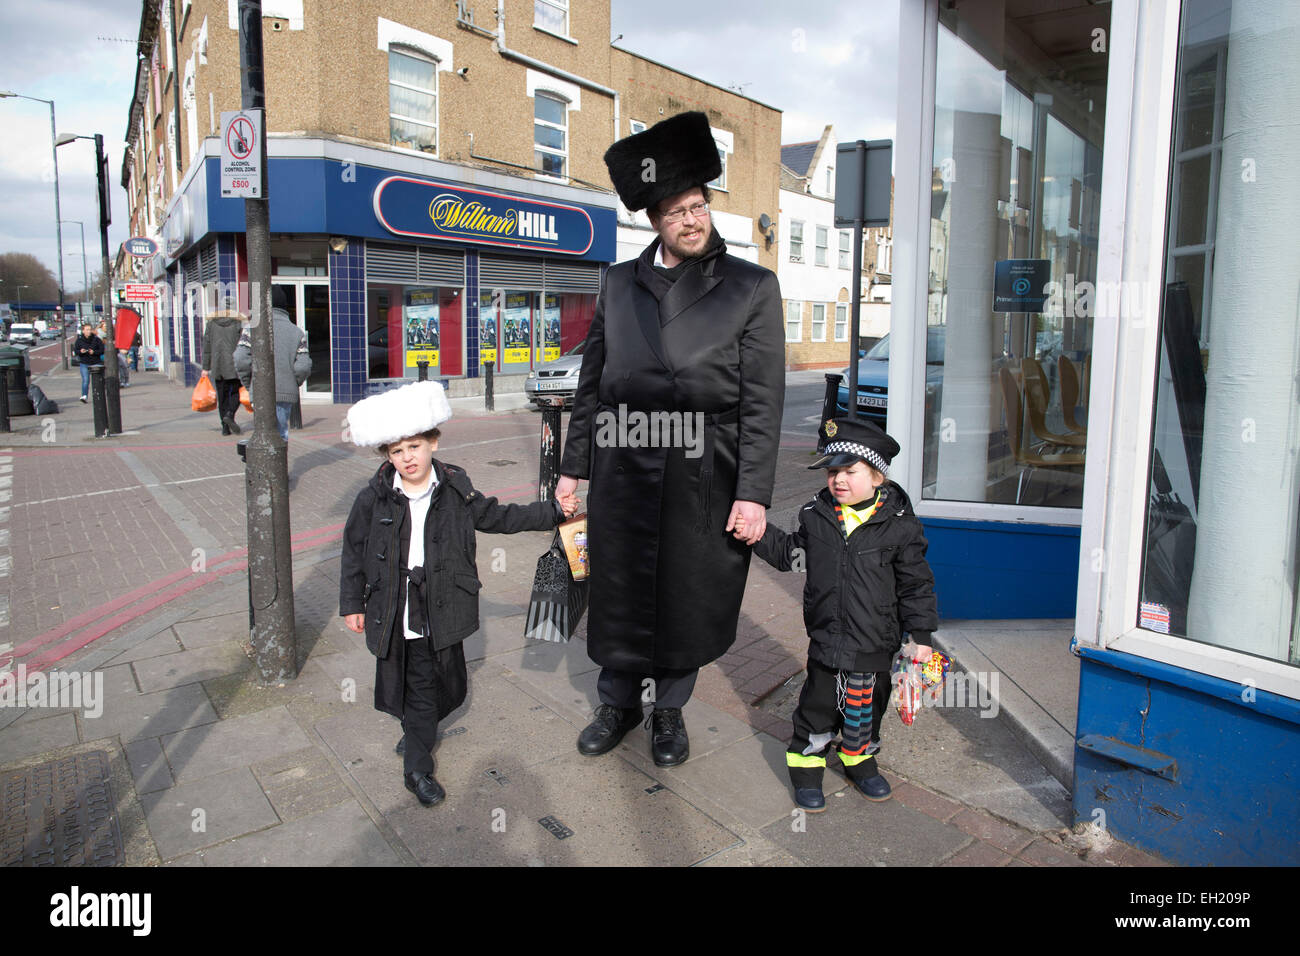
[796, 307]
[822, 246]
[636, 126]
[883, 256]
[815, 323]
[725, 143]
[796, 238]
[414, 54]
[561, 5]
[846, 249]
[550, 150]
[841, 321]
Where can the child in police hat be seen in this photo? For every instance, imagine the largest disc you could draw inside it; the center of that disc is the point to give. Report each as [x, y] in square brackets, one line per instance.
[408, 580]
[867, 582]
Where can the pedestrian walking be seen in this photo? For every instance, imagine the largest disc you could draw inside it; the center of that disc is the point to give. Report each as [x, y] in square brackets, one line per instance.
[866, 581]
[220, 339]
[688, 330]
[292, 366]
[88, 350]
[408, 580]
[136, 342]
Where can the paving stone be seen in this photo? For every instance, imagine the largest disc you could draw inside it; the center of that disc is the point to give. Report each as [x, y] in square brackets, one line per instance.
[25, 738]
[979, 853]
[300, 783]
[148, 765]
[614, 821]
[941, 808]
[357, 664]
[1132, 856]
[362, 739]
[189, 667]
[1042, 853]
[1002, 835]
[229, 805]
[341, 835]
[237, 742]
[708, 729]
[152, 715]
[856, 832]
[218, 629]
[156, 646]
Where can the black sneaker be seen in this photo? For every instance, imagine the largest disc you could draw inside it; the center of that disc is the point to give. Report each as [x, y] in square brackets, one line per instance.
[668, 742]
[605, 732]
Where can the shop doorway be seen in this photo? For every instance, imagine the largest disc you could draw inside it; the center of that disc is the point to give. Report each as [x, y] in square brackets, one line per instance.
[307, 300]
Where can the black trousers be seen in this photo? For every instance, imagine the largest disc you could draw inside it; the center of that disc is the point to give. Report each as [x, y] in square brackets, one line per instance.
[435, 685]
[670, 688]
[817, 718]
[227, 396]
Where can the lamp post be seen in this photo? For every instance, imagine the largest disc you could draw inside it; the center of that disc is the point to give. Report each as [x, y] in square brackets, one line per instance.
[112, 386]
[54, 153]
[85, 283]
[20, 302]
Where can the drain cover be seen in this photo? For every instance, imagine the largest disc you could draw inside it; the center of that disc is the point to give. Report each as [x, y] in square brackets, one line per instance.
[60, 814]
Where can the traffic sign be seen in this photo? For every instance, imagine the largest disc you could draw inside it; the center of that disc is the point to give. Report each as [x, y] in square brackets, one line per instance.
[241, 154]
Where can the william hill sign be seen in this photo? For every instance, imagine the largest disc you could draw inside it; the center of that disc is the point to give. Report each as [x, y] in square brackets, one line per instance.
[432, 210]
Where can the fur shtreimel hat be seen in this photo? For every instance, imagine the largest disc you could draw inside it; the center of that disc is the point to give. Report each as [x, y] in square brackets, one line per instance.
[664, 160]
[400, 413]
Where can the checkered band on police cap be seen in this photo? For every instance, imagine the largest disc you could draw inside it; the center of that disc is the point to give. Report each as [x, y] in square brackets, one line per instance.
[869, 455]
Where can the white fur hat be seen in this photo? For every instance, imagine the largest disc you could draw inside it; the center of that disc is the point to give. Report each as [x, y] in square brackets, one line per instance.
[400, 413]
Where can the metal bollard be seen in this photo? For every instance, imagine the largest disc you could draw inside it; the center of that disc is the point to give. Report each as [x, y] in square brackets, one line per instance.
[548, 475]
[423, 366]
[4, 399]
[99, 401]
[489, 398]
[832, 388]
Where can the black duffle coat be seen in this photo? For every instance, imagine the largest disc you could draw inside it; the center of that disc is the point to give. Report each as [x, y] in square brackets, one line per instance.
[376, 542]
[666, 578]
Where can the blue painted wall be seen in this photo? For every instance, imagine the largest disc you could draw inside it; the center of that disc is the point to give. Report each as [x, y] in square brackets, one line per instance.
[1234, 796]
[999, 570]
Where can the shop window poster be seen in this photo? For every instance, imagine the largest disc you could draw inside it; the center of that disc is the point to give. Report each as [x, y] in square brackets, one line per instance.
[517, 331]
[551, 327]
[420, 318]
[487, 334]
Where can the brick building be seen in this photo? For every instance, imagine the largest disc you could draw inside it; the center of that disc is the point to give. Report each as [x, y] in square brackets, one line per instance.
[436, 183]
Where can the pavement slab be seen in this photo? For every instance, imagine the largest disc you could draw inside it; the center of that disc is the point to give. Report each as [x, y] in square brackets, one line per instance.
[191, 667]
[205, 812]
[148, 765]
[133, 716]
[340, 835]
[237, 742]
[26, 738]
[300, 783]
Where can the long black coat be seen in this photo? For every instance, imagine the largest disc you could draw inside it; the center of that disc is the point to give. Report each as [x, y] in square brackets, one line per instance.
[667, 580]
[376, 541]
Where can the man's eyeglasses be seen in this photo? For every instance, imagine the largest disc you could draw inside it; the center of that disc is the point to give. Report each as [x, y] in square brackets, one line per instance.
[699, 211]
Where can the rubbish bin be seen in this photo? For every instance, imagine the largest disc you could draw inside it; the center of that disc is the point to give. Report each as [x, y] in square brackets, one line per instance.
[16, 369]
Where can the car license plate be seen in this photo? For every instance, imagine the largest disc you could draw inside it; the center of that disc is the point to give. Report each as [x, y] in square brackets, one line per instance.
[871, 401]
[549, 386]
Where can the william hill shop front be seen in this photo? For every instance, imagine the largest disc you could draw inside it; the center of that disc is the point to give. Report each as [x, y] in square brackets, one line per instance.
[389, 261]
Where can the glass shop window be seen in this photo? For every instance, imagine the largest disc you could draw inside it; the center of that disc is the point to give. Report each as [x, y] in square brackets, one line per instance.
[406, 325]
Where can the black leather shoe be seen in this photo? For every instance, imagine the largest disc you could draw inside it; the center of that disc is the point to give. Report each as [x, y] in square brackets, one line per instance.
[230, 423]
[225, 426]
[610, 726]
[401, 746]
[425, 788]
[668, 743]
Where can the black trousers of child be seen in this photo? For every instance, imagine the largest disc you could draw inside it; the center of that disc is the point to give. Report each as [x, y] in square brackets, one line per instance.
[818, 718]
[435, 684]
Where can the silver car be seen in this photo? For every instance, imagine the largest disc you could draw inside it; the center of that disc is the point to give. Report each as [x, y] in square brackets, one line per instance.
[557, 378]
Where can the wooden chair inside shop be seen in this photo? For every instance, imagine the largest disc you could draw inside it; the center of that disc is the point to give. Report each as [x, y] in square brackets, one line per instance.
[1069, 377]
[1037, 394]
[1028, 458]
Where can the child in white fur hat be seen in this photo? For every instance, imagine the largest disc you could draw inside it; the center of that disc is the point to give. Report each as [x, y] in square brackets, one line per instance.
[408, 580]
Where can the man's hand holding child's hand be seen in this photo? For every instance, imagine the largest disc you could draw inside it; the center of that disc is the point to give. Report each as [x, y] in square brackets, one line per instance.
[568, 503]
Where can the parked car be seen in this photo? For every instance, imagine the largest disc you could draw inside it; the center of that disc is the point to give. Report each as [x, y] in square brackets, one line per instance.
[50, 335]
[873, 378]
[558, 377]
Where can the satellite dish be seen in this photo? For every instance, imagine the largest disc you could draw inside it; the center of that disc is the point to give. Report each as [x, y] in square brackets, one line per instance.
[765, 222]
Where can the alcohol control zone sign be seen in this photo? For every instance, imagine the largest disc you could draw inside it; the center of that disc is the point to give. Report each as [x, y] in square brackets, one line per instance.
[241, 154]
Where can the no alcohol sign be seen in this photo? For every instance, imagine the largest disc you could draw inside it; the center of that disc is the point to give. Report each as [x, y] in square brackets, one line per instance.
[241, 154]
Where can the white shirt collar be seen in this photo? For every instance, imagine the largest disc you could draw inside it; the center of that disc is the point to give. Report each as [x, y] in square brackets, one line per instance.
[433, 482]
[659, 256]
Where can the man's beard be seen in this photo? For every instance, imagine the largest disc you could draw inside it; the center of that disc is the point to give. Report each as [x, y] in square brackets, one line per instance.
[686, 252]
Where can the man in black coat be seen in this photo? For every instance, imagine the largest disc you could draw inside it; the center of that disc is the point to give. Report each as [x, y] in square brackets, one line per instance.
[675, 424]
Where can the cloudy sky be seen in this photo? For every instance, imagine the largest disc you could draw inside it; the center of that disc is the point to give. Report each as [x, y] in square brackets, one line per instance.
[820, 61]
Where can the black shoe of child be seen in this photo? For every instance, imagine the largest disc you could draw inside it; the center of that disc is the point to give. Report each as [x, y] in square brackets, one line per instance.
[810, 799]
[427, 790]
[875, 789]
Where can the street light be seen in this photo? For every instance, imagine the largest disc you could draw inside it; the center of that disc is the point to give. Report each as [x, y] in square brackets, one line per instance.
[85, 280]
[112, 387]
[54, 152]
[20, 301]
